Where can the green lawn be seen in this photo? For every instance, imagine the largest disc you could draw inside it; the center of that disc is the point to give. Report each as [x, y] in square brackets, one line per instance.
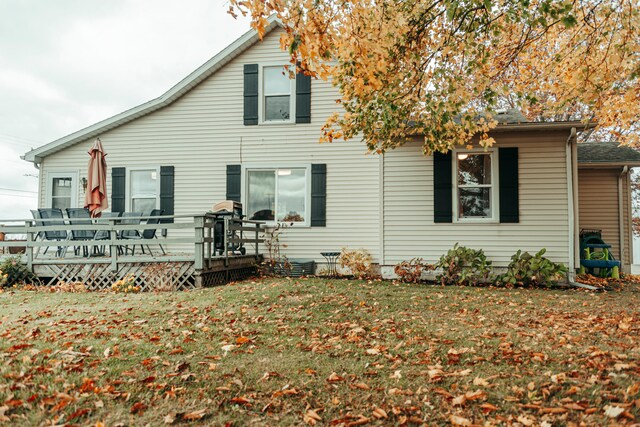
[286, 352]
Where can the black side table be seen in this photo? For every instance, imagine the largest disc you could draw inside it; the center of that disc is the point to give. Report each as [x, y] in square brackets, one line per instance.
[332, 258]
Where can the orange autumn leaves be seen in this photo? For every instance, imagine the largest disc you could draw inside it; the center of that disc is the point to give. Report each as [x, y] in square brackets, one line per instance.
[429, 67]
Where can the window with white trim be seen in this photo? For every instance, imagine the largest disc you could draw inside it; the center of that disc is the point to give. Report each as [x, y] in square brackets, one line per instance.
[144, 187]
[62, 190]
[277, 98]
[475, 185]
[61, 193]
[277, 194]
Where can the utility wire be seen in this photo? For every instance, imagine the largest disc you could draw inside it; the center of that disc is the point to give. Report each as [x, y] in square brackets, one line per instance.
[16, 189]
[24, 196]
[18, 138]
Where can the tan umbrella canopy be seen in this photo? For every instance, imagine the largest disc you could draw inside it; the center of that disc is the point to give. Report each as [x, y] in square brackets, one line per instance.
[95, 198]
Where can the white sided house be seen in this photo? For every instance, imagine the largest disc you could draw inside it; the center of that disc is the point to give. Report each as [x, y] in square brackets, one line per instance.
[238, 128]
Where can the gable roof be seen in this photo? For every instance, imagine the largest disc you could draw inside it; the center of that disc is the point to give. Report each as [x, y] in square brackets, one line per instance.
[607, 154]
[201, 73]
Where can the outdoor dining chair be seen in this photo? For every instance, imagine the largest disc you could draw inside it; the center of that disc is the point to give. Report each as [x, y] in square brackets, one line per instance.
[147, 234]
[81, 216]
[106, 234]
[56, 219]
[129, 218]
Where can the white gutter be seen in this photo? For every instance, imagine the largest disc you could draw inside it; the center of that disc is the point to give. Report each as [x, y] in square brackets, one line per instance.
[573, 202]
[625, 170]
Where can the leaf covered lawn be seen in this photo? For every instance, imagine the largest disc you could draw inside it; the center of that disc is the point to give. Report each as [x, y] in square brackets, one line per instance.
[289, 352]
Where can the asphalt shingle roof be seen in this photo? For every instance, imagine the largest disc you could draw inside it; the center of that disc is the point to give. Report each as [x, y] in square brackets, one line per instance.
[606, 152]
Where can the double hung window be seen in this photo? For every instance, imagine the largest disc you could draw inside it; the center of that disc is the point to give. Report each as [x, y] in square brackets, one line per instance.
[62, 190]
[277, 100]
[475, 185]
[144, 186]
[61, 193]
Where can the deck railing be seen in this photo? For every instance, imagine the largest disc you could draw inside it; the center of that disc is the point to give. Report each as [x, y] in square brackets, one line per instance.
[229, 236]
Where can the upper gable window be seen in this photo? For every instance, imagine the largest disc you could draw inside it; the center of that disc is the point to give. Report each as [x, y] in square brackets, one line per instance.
[277, 90]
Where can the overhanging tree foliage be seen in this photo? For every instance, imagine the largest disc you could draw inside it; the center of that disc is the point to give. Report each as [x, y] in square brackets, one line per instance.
[432, 67]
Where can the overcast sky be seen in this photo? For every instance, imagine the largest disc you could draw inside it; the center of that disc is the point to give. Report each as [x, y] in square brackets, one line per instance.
[66, 64]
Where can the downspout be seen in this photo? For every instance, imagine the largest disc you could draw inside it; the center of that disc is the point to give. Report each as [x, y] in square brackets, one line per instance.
[572, 196]
[621, 214]
[574, 226]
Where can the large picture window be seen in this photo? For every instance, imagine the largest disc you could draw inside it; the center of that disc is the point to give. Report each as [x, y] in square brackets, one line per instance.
[475, 185]
[144, 186]
[277, 194]
[277, 99]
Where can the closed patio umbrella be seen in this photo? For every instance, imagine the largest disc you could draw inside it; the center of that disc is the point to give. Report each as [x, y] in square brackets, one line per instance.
[96, 195]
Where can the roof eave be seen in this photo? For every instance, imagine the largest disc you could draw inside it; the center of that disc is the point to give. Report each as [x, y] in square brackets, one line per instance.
[579, 125]
[540, 126]
[608, 165]
[186, 84]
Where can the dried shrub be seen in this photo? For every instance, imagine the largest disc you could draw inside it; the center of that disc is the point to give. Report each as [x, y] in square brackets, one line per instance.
[358, 262]
[276, 263]
[411, 271]
[62, 286]
[15, 272]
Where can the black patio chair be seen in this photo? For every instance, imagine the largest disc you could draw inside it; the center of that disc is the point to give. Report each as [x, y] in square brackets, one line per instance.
[80, 216]
[129, 234]
[148, 234]
[56, 217]
[106, 234]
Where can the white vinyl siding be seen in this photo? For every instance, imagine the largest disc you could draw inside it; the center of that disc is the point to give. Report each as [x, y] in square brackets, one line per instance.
[599, 207]
[409, 230]
[203, 131]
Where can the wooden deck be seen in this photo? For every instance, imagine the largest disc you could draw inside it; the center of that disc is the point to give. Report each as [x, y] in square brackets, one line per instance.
[193, 264]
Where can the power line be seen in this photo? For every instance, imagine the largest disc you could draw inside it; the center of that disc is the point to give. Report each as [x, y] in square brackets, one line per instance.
[24, 196]
[21, 138]
[21, 191]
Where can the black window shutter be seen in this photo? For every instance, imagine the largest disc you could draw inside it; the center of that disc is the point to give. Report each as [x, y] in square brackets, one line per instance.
[442, 188]
[303, 98]
[319, 195]
[508, 181]
[118, 189]
[234, 175]
[167, 194]
[250, 94]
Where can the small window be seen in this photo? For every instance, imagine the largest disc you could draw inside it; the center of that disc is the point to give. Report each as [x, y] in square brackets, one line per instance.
[277, 194]
[143, 190]
[61, 190]
[277, 100]
[61, 194]
[475, 185]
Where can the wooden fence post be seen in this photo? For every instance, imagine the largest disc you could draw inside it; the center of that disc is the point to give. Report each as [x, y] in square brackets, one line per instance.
[113, 248]
[29, 246]
[257, 237]
[225, 233]
[198, 262]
